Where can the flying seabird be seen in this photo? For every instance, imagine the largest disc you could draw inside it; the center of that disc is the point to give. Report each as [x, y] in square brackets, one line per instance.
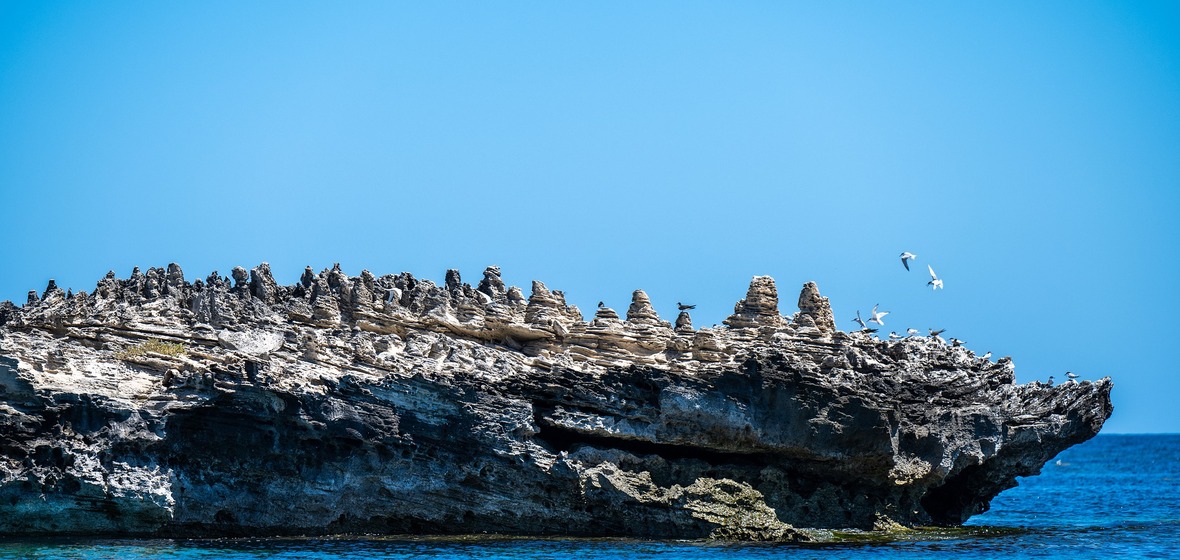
[876, 318]
[905, 259]
[894, 336]
[393, 295]
[684, 307]
[1071, 375]
[912, 332]
[935, 282]
[859, 321]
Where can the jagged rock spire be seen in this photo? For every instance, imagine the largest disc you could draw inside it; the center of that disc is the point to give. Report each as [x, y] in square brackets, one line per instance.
[641, 310]
[262, 284]
[492, 284]
[817, 308]
[540, 302]
[760, 308]
[241, 277]
[454, 282]
[606, 313]
[174, 279]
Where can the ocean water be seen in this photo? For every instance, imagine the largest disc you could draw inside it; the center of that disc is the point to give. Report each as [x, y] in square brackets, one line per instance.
[1112, 496]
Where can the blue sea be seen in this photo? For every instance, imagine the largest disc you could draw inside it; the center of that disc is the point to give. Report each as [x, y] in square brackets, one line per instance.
[1115, 495]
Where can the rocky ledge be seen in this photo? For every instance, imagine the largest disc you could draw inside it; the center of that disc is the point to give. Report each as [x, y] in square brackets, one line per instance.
[156, 406]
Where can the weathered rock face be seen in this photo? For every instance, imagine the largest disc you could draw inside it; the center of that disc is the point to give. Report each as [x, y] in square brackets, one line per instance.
[394, 405]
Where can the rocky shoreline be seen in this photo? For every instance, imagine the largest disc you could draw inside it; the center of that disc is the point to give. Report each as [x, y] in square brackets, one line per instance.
[156, 406]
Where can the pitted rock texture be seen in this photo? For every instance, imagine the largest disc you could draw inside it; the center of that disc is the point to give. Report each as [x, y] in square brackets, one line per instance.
[393, 405]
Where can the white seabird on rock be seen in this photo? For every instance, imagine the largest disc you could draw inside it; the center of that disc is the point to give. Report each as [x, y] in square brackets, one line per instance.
[935, 282]
[912, 332]
[1071, 375]
[894, 336]
[905, 259]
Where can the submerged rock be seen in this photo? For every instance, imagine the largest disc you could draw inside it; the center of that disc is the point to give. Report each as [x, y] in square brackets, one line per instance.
[388, 404]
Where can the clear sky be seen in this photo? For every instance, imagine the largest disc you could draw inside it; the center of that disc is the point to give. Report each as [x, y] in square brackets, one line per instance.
[1029, 151]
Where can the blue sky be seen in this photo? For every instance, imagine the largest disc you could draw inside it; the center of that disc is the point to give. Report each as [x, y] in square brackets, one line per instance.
[1028, 151]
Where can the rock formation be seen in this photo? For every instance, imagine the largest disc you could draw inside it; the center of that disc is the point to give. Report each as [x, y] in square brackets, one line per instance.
[156, 406]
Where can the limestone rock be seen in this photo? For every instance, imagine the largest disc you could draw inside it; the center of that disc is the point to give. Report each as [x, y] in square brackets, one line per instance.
[262, 284]
[393, 405]
[252, 342]
[816, 308]
[492, 285]
[759, 309]
[241, 277]
[641, 310]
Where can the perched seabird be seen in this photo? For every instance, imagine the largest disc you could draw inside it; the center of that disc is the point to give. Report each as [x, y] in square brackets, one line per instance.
[876, 318]
[868, 331]
[956, 342]
[987, 356]
[1071, 375]
[600, 304]
[936, 332]
[905, 259]
[1050, 380]
[684, 307]
[935, 282]
[912, 332]
[894, 336]
[859, 321]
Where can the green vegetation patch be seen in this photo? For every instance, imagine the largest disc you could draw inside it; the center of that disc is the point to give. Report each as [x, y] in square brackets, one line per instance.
[171, 349]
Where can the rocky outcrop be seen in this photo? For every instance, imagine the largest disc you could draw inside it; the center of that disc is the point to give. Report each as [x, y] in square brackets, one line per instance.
[156, 406]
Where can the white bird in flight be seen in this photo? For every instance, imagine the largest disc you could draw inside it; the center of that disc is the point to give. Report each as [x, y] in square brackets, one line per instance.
[860, 321]
[935, 282]
[905, 259]
[876, 318]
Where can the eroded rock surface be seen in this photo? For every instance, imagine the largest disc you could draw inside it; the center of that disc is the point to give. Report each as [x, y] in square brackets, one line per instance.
[390, 404]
